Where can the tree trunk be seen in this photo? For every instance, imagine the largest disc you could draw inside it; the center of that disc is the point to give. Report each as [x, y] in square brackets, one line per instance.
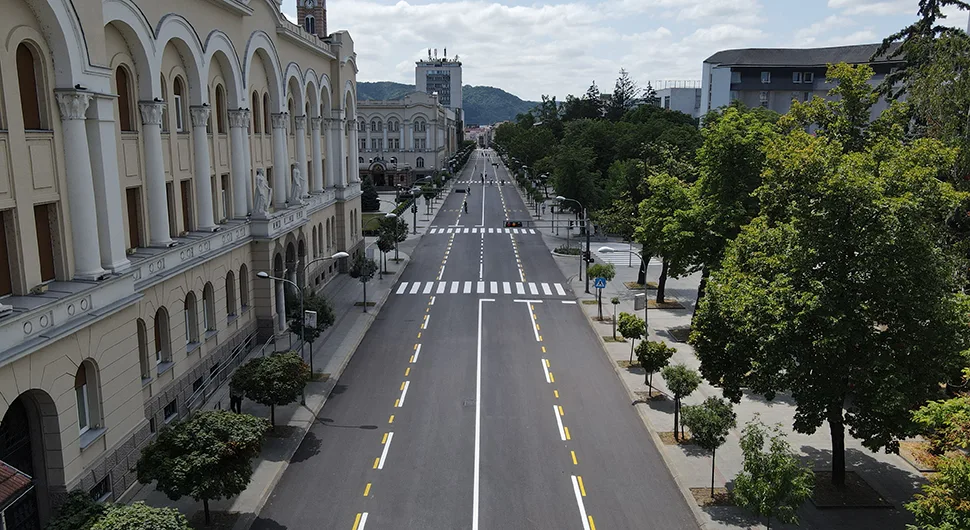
[632, 341]
[365, 296]
[662, 282]
[713, 453]
[676, 417]
[642, 275]
[837, 429]
[205, 507]
[614, 321]
[272, 415]
[650, 383]
[599, 303]
[700, 290]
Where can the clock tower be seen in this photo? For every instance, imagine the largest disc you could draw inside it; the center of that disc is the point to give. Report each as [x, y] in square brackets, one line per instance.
[312, 16]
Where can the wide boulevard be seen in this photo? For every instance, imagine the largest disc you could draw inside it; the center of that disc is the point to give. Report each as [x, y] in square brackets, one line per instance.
[480, 398]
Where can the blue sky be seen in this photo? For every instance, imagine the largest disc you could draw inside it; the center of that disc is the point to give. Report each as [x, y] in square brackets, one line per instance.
[559, 48]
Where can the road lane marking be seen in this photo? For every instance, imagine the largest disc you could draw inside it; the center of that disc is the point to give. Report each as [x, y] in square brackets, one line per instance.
[560, 411]
[467, 288]
[560, 290]
[506, 288]
[367, 489]
[426, 319]
[546, 290]
[407, 372]
[562, 432]
[575, 462]
[441, 272]
[402, 288]
[535, 328]
[582, 489]
[481, 270]
[377, 461]
[570, 302]
[432, 298]
[404, 393]
[567, 433]
[428, 286]
[441, 289]
[592, 525]
[493, 287]
[417, 351]
[532, 289]
[556, 392]
[545, 370]
[387, 445]
[360, 521]
[454, 287]
[579, 503]
[519, 289]
[543, 349]
[415, 287]
[480, 287]
[391, 419]
[478, 417]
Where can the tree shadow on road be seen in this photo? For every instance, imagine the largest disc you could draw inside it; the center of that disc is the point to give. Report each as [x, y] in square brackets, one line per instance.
[309, 448]
[267, 524]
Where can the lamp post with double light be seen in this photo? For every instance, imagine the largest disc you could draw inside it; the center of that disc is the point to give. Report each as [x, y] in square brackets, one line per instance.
[582, 256]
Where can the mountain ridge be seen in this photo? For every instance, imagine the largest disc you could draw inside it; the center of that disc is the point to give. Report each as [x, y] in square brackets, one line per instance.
[483, 105]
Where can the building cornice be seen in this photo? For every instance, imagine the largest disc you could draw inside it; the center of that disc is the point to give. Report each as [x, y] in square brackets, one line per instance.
[236, 7]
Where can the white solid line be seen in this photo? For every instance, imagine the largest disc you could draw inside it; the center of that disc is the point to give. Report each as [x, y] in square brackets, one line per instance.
[532, 288]
[493, 287]
[442, 271]
[363, 521]
[415, 287]
[416, 353]
[428, 287]
[404, 393]
[427, 318]
[519, 288]
[555, 410]
[441, 288]
[545, 369]
[546, 290]
[468, 288]
[432, 300]
[521, 275]
[560, 290]
[579, 502]
[454, 287]
[506, 288]
[572, 302]
[481, 270]
[449, 230]
[532, 315]
[491, 230]
[478, 417]
[402, 288]
[387, 445]
[480, 287]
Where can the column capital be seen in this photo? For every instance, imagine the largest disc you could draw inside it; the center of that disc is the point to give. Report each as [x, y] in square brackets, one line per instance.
[279, 119]
[315, 123]
[239, 119]
[151, 112]
[73, 105]
[200, 115]
[300, 122]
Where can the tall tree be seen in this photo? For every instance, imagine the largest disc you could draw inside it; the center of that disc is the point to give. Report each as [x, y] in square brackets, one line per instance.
[631, 327]
[650, 96]
[369, 200]
[682, 382]
[276, 379]
[575, 178]
[709, 424]
[626, 94]
[653, 356]
[664, 226]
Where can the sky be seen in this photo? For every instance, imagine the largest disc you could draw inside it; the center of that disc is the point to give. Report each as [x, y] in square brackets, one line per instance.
[560, 48]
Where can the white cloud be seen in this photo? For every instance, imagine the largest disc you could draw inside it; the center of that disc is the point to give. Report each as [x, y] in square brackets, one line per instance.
[809, 36]
[875, 7]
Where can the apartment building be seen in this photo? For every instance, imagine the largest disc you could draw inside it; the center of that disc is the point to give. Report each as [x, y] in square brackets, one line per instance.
[153, 157]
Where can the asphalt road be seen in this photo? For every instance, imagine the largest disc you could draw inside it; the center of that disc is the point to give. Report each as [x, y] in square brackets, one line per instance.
[479, 399]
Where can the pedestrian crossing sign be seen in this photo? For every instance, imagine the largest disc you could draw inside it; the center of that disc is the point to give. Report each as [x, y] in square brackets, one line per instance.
[599, 283]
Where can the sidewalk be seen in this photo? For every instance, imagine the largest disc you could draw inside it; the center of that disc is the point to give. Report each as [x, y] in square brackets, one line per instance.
[332, 352]
[888, 474]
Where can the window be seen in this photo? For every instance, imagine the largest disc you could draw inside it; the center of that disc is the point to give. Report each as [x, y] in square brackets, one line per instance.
[763, 98]
[152, 428]
[419, 162]
[197, 384]
[230, 293]
[177, 107]
[208, 307]
[256, 114]
[309, 24]
[86, 397]
[165, 124]
[191, 319]
[362, 142]
[667, 102]
[102, 490]
[796, 77]
[6, 282]
[187, 223]
[809, 77]
[44, 224]
[313, 243]
[30, 88]
[267, 124]
[735, 77]
[806, 96]
[361, 127]
[224, 195]
[170, 410]
[765, 77]
[244, 286]
[133, 203]
[163, 344]
[289, 108]
[221, 115]
[143, 362]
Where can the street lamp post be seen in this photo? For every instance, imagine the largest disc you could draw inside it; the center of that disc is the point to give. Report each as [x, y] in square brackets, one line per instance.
[646, 301]
[264, 275]
[582, 257]
[338, 255]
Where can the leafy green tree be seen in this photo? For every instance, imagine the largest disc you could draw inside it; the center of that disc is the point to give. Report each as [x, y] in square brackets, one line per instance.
[79, 512]
[589, 106]
[626, 180]
[276, 379]
[944, 503]
[682, 382]
[631, 327]
[709, 424]
[945, 424]
[665, 224]
[139, 516]
[773, 483]
[311, 302]
[650, 96]
[653, 356]
[620, 218]
[207, 457]
[599, 270]
[363, 270]
[385, 243]
[369, 199]
[626, 94]
[574, 178]
[842, 287]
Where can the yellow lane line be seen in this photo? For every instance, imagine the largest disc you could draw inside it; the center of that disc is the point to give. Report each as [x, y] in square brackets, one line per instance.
[566, 429]
[419, 334]
[357, 521]
[367, 489]
[402, 387]
[592, 525]
[560, 411]
[543, 349]
[547, 360]
[556, 392]
[384, 441]
[407, 372]
[575, 463]
[376, 461]
[412, 359]
[553, 379]
[391, 419]
[415, 346]
[397, 402]
[582, 489]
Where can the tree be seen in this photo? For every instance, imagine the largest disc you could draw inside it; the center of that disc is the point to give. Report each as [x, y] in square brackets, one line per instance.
[650, 96]
[575, 178]
[589, 106]
[631, 327]
[842, 288]
[363, 270]
[599, 270]
[207, 457]
[772, 483]
[276, 379]
[943, 503]
[385, 243]
[709, 424]
[653, 356]
[945, 424]
[369, 200]
[626, 94]
[311, 302]
[681, 381]
[664, 228]
[139, 516]
[79, 512]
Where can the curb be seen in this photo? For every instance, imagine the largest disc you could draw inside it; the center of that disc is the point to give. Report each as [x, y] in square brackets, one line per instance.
[247, 519]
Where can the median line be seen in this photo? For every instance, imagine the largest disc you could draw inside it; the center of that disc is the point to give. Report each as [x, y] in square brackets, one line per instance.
[580, 505]
[545, 370]
[387, 445]
[562, 432]
[360, 521]
[404, 392]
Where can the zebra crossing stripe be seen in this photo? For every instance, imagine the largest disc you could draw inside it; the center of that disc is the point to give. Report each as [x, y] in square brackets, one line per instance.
[546, 290]
[427, 288]
[441, 287]
[415, 287]
[481, 287]
[404, 285]
[454, 287]
[519, 288]
[532, 230]
[493, 287]
[560, 290]
[532, 288]
[491, 230]
[466, 230]
[468, 288]
[506, 288]
[449, 230]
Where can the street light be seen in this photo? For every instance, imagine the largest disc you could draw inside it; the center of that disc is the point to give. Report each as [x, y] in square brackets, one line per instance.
[338, 255]
[582, 257]
[607, 250]
[264, 275]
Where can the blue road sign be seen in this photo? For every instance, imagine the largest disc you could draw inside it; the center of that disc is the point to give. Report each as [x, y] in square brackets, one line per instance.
[599, 283]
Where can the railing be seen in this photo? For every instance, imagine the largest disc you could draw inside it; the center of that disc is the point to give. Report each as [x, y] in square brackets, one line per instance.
[676, 83]
[200, 397]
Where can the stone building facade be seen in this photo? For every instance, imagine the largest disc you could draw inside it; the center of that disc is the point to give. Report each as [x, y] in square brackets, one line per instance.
[153, 157]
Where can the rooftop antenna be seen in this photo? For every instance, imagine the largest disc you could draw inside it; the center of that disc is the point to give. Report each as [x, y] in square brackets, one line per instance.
[446, 53]
[429, 54]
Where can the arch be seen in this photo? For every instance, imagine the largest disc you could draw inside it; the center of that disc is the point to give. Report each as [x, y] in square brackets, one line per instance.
[267, 124]
[165, 114]
[230, 293]
[163, 337]
[257, 114]
[128, 19]
[311, 88]
[309, 24]
[87, 397]
[244, 286]
[33, 91]
[350, 100]
[179, 94]
[219, 48]
[144, 362]
[261, 44]
[65, 36]
[419, 162]
[177, 30]
[294, 83]
[325, 96]
[313, 244]
[208, 308]
[191, 309]
[126, 112]
[222, 113]
[30, 440]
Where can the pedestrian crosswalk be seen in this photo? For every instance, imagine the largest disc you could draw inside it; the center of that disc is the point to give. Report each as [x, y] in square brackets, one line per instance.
[481, 287]
[621, 256]
[482, 230]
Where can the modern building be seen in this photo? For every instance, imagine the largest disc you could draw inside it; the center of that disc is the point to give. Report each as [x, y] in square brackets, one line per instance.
[153, 157]
[682, 96]
[441, 76]
[417, 132]
[774, 77]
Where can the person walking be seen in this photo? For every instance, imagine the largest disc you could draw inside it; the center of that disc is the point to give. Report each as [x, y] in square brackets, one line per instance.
[235, 399]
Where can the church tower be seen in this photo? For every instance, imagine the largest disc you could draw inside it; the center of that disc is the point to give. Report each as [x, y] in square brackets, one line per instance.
[312, 15]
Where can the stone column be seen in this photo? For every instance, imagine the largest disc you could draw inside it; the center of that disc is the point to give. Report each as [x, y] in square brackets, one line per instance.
[404, 145]
[384, 147]
[80, 186]
[238, 123]
[335, 151]
[316, 182]
[428, 128]
[353, 172]
[281, 166]
[151, 135]
[203, 169]
[247, 145]
[411, 136]
[103, 145]
[367, 144]
[300, 152]
[280, 307]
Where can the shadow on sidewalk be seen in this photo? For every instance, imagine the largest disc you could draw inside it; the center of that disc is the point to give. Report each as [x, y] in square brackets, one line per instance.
[896, 485]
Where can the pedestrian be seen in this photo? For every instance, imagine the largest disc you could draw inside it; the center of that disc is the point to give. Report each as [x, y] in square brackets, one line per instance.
[465, 204]
[235, 399]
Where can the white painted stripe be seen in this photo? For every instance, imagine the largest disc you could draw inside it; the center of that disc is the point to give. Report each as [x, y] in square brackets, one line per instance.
[404, 393]
[432, 300]
[519, 288]
[481, 287]
[491, 230]
[579, 502]
[363, 521]
[521, 275]
[466, 231]
[441, 272]
[415, 287]
[474, 230]
[449, 230]
[493, 287]
[506, 288]
[562, 433]
[515, 230]
[428, 287]
[545, 370]
[468, 288]
[532, 315]
[441, 287]
[478, 419]
[387, 445]
[546, 290]
[416, 353]
[571, 302]
[427, 318]
[454, 288]
[532, 230]
[402, 288]
[560, 290]
[532, 288]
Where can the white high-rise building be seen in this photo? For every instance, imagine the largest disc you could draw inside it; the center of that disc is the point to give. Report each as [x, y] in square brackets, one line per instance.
[441, 76]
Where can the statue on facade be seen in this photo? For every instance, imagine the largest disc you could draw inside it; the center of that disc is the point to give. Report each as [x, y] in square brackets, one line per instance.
[263, 194]
[297, 187]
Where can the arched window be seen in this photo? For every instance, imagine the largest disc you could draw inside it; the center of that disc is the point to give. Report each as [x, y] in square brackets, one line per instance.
[230, 293]
[31, 88]
[361, 126]
[360, 160]
[165, 124]
[309, 24]
[221, 115]
[313, 244]
[178, 102]
[328, 235]
[394, 160]
[190, 309]
[267, 124]
[86, 397]
[289, 108]
[244, 286]
[257, 116]
[320, 238]
[208, 307]
[419, 162]
[126, 118]
[163, 342]
[143, 358]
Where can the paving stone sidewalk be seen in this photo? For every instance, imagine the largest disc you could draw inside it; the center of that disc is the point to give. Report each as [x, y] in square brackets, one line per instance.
[889, 475]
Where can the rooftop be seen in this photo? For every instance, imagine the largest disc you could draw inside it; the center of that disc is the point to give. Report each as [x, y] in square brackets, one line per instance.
[12, 484]
[856, 54]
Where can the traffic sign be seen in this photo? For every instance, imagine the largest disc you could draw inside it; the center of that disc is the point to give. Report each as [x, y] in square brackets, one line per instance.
[599, 283]
[310, 319]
